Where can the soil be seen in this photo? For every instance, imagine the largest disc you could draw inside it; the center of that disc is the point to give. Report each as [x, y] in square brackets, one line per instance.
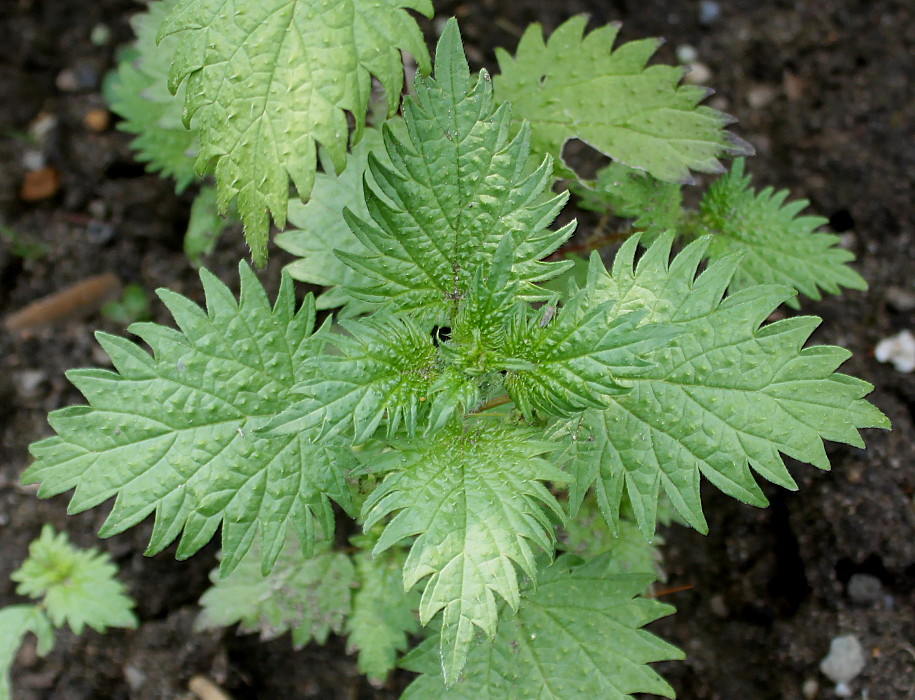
[821, 88]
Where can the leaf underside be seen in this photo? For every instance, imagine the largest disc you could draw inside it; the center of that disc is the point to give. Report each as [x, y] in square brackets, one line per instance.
[576, 635]
[175, 433]
[725, 398]
[268, 81]
[777, 246]
[576, 86]
[309, 597]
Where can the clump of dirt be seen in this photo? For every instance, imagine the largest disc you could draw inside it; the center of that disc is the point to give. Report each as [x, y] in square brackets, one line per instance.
[822, 91]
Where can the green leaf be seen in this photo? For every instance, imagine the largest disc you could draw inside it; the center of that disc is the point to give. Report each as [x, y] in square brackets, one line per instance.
[384, 369]
[15, 622]
[458, 184]
[269, 80]
[308, 596]
[205, 226]
[654, 206]
[175, 434]
[78, 586]
[577, 634]
[137, 92]
[777, 245]
[576, 86]
[726, 396]
[475, 502]
[576, 359]
[383, 613]
[322, 228]
[587, 535]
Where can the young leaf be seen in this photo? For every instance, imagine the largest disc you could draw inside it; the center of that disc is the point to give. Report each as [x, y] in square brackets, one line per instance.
[777, 245]
[309, 596]
[458, 184]
[475, 501]
[175, 434]
[137, 91]
[576, 86]
[726, 396]
[322, 228]
[384, 369]
[269, 80]
[15, 622]
[575, 358]
[577, 634]
[383, 613]
[77, 586]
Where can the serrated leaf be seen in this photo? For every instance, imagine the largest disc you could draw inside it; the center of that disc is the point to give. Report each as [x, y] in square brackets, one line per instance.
[321, 227]
[384, 370]
[269, 80]
[576, 86]
[307, 596]
[587, 535]
[576, 359]
[654, 206]
[15, 622]
[175, 434]
[577, 634]
[458, 184]
[473, 498]
[137, 92]
[383, 613]
[727, 395]
[77, 587]
[776, 244]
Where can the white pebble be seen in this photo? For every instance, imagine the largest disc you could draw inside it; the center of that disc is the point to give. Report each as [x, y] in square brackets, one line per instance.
[844, 661]
[898, 349]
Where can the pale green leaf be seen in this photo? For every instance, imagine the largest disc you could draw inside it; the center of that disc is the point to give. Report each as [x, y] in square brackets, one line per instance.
[576, 86]
[473, 498]
[205, 226]
[307, 596]
[269, 80]
[776, 244]
[727, 396]
[15, 622]
[137, 91]
[321, 227]
[174, 434]
[383, 613]
[77, 587]
[457, 185]
[577, 634]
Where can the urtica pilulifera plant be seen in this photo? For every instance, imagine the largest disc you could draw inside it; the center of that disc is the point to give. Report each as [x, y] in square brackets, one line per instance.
[505, 423]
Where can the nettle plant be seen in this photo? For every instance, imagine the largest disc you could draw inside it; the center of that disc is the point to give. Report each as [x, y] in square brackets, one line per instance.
[505, 423]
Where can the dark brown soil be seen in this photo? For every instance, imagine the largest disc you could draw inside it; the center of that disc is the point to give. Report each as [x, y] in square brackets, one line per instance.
[823, 90]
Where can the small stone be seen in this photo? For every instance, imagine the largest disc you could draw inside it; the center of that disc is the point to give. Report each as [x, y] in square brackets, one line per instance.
[97, 120]
[42, 125]
[718, 606]
[100, 34]
[844, 661]
[687, 53]
[900, 298]
[135, 677]
[709, 12]
[760, 96]
[39, 184]
[899, 350]
[33, 159]
[810, 689]
[697, 74]
[864, 589]
[82, 76]
[28, 382]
